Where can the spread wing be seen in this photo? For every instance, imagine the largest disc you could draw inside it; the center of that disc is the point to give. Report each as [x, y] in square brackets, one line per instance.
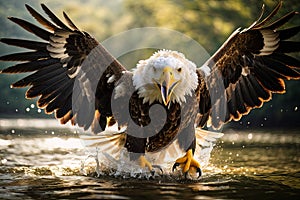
[73, 75]
[251, 65]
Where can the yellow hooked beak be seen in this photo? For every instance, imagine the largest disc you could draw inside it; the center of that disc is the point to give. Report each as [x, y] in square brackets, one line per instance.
[166, 84]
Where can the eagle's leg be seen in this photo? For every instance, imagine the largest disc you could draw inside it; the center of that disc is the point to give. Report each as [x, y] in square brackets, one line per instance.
[188, 163]
[143, 162]
[136, 148]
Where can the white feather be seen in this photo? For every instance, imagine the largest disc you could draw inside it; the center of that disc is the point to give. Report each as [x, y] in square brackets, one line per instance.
[205, 68]
[150, 69]
[271, 42]
[111, 79]
[55, 39]
[205, 140]
[120, 91]
[53, 49]
[110, 141]
[75, 73]
[59, 55]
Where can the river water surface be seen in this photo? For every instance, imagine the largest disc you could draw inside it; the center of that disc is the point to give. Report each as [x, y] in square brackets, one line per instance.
[40, 160]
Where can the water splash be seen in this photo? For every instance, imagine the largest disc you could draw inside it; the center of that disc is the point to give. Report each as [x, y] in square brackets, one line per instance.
[100, 163]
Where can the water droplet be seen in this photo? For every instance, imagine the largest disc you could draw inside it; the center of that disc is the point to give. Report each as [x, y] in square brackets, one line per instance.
[27, 109]
[32, 105]
[3, 161]
[265, 119]
[17, 110]
[248, 123]
[13, 131]
[52, 132]
[39, 110]
[296, 108]
[250, 136]
[7, 103]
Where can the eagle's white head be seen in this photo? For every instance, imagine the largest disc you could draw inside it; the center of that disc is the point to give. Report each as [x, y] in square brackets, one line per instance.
[167, 76]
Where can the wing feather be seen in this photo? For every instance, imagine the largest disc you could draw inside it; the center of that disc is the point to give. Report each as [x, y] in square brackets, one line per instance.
[247, 93]
[25, 56]
[288, 47]
[288, 33]
[269, 17]
[281, 21]
[252, 64]
[42, 20]
[66, 60]
[282, 69]
[45, 99]
[43, 34]
[25, 43]
[63, 110]
[69, 21]
[40, 76]
[55, 19]
[285, 59]
[30, 66]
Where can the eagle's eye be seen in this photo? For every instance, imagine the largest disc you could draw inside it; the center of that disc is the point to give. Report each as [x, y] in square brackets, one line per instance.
[179, 69]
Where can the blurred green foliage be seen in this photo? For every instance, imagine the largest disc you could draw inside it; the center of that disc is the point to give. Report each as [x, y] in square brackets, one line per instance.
[208, 22]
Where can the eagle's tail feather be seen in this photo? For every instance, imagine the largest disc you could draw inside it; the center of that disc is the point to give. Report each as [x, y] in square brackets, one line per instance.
[205, 141]
[110, 141]
[206, 138]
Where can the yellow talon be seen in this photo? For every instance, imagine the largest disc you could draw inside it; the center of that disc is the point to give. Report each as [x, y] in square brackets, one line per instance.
[188, 163]
[145, 163]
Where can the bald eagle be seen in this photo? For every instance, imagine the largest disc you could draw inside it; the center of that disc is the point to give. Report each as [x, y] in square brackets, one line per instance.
[75, 77]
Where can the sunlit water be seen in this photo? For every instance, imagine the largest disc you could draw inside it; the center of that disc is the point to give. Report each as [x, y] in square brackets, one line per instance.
[42, 161]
